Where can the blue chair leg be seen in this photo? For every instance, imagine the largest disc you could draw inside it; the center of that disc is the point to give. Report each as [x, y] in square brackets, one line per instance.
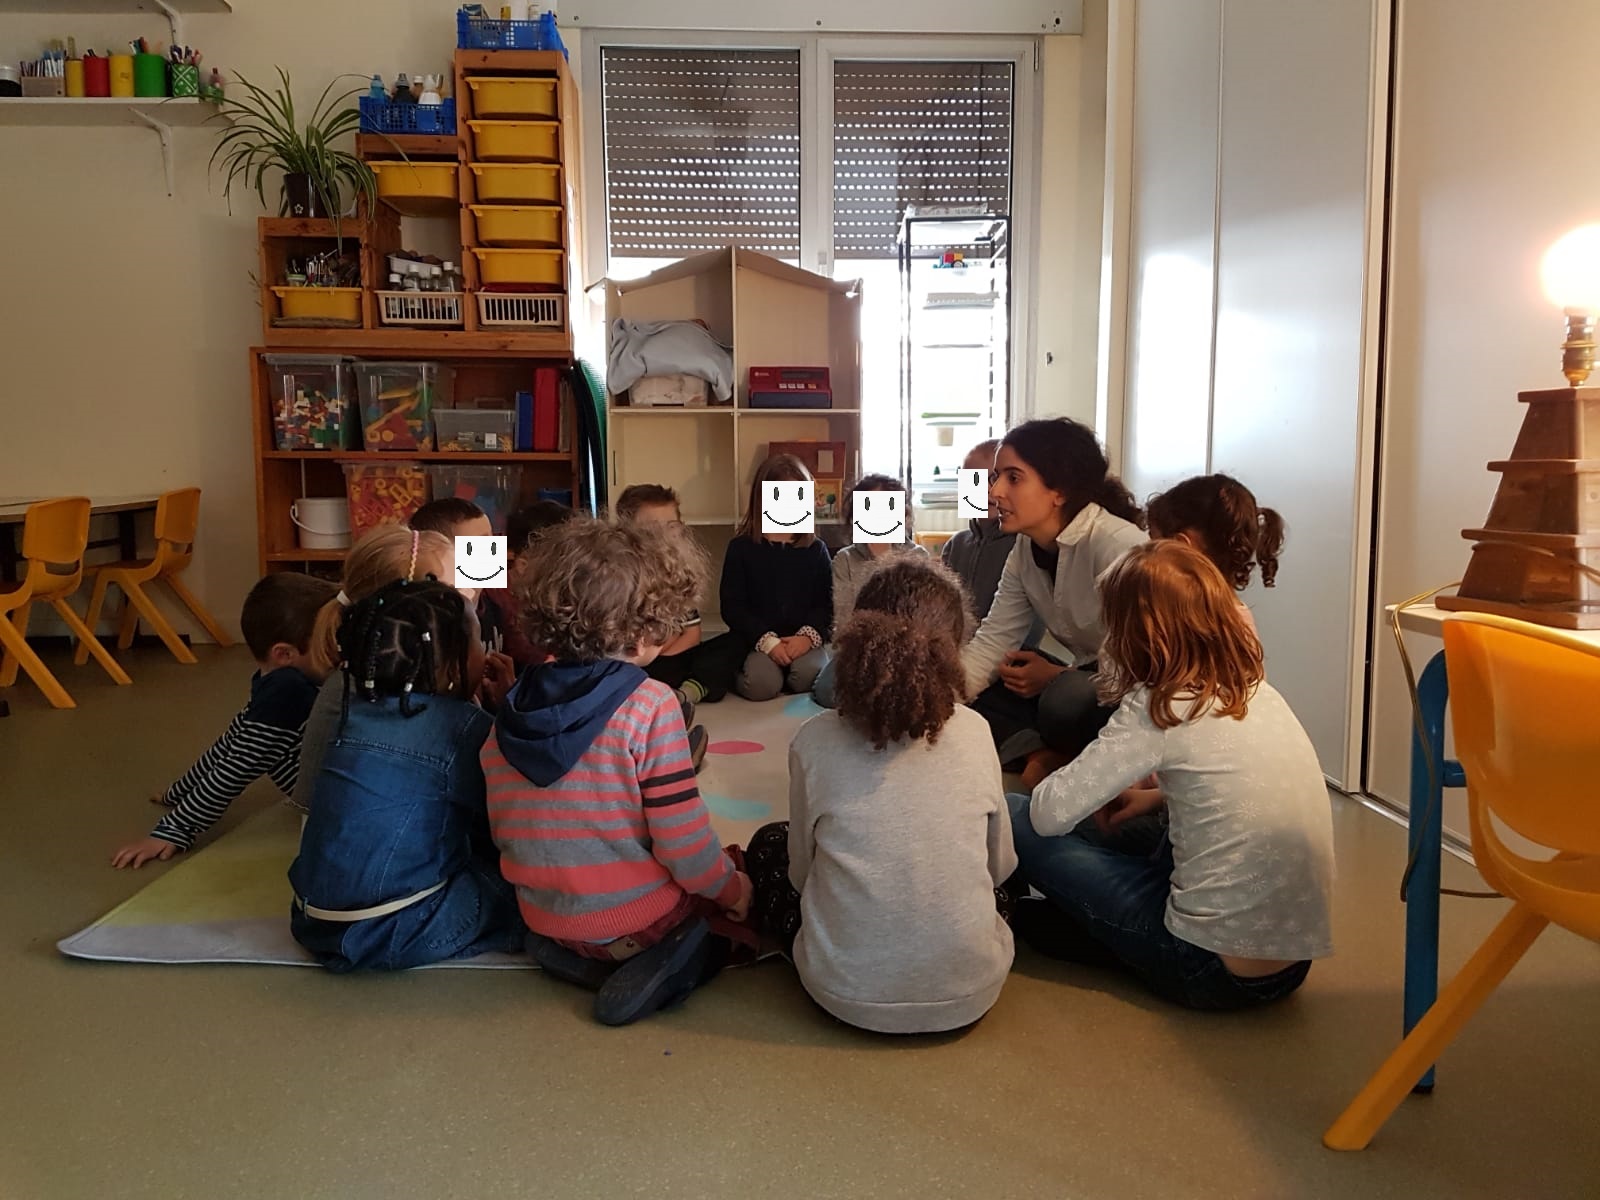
[1425, 828]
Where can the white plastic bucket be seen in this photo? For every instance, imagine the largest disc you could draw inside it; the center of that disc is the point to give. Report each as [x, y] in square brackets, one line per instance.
[323, 522]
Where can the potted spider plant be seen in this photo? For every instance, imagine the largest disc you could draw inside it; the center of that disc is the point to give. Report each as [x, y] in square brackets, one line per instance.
[319, 179]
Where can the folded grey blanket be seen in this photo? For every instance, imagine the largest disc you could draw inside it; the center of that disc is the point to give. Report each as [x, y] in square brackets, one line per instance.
[640, 348]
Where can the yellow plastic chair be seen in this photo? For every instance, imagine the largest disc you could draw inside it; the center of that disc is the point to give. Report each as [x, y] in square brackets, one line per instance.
[177, 520]
[1522, 700]
[55, 534]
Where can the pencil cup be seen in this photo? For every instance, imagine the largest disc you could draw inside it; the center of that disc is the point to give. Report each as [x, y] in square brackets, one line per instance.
[122, 76]
[185, 80]
[149, 75]
[97, 76]
[75, 77]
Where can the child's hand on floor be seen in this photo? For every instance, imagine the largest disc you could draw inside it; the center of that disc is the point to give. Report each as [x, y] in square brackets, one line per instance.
[1144, 797]
[136, 854]
[747, 891]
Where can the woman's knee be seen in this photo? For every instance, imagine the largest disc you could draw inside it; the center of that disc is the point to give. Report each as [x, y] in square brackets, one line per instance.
[759, 679]
[1070, 712]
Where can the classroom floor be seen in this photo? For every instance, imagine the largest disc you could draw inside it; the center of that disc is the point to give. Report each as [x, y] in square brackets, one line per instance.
[213, 1082]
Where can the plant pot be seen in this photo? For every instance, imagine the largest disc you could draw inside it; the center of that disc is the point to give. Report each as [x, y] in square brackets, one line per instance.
[300, 198]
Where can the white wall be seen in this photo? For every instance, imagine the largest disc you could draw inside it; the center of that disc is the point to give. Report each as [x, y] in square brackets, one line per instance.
[1248, 349]
[1493, 161]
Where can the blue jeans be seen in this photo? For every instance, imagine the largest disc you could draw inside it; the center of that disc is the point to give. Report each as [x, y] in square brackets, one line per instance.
[1119, 899]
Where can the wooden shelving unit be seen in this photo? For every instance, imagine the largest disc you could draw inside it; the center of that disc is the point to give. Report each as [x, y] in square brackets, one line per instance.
[486, 362]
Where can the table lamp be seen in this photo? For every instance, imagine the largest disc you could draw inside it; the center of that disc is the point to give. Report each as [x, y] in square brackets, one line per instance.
[1537, 556]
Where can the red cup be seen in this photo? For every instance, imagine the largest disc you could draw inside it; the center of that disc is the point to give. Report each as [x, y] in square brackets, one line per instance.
[97, 76]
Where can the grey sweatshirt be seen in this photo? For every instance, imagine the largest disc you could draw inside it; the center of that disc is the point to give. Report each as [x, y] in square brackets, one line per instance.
[978, 554]
[896, 854]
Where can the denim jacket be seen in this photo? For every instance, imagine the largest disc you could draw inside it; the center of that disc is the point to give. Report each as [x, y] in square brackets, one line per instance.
[397, 806]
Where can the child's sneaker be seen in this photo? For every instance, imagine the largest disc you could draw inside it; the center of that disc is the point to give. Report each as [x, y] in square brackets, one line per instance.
[699, 739]
[687, 705]
[656, 978]
[567, 965]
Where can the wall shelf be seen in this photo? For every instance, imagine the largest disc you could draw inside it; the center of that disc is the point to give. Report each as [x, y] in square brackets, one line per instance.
[154, 113]
[172, 10]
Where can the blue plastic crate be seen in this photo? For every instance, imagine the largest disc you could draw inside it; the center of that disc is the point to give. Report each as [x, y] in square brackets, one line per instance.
[481, 33]
[386, 116]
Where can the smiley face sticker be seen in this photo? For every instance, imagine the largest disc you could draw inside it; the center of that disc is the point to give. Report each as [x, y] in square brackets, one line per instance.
[480, 562]
[788, 506]
[973, 499]
[878, 517]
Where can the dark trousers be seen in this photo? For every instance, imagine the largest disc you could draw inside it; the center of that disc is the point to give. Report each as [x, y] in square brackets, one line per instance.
[1116, 895]
[712, 664]
[1065, 717]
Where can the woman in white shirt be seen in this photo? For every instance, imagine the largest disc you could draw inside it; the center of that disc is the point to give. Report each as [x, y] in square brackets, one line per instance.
[1052, 484]
[1227, 910]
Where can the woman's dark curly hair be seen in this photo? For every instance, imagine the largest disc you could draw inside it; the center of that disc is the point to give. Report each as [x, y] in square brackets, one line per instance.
[588, 590]
[403, 639]
[1067, 456]
[899, 668]
[1235, 533]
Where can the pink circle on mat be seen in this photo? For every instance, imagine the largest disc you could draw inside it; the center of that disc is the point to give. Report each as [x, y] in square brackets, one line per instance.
[735, 748]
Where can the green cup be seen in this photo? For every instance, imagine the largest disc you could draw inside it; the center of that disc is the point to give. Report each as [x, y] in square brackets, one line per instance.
[149, 75]
[185, 80]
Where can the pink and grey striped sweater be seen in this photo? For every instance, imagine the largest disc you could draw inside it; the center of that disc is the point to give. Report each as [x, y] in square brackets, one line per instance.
[610, 846]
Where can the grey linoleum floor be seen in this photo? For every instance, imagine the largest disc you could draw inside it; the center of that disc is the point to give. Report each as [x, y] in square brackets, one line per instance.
[128, 1081]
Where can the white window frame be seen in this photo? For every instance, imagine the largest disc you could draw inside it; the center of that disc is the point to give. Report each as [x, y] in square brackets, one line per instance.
[818, 55]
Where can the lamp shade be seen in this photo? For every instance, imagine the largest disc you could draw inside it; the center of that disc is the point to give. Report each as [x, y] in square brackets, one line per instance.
[1570, 271]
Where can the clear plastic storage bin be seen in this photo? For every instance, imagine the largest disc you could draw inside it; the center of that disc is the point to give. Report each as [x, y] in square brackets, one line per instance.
[397, 402]
[495, 489]
[313, 402]
[383, 494]
[488, 431]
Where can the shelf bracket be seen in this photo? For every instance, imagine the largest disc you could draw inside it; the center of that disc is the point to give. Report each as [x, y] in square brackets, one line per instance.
[174, 20]
[164, 132]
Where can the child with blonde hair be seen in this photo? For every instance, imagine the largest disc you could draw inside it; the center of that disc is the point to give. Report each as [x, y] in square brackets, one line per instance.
[882, 883]
[1230, 909]
[592, 797]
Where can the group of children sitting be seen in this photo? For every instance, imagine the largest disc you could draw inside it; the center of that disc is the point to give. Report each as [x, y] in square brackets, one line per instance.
[517, 768]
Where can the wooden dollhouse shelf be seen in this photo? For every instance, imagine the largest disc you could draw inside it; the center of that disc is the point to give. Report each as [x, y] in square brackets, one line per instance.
[423, 343]
[488, 458]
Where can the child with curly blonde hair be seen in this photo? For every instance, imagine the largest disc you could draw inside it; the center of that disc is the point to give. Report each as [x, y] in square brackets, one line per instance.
[883, 883]
[592, 798]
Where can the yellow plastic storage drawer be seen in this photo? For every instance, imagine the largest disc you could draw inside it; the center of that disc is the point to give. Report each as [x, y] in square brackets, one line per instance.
[417, 189]
[494, 96]
[518, 183]
[521, 266]
[517, 141]
[319, 304]
[518, 225]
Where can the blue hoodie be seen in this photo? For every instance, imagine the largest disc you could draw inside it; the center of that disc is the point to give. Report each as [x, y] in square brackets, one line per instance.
[557, 709]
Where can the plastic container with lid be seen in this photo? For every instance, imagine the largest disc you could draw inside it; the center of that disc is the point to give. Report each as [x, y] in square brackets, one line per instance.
[313, 402]
[476, 431]
[383, 493]
[397, 402]
[494, 489]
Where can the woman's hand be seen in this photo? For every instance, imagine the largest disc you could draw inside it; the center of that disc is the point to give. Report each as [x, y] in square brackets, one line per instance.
[1027, 672]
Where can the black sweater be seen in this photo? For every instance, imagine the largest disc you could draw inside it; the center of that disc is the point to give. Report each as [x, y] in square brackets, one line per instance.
[776, 587]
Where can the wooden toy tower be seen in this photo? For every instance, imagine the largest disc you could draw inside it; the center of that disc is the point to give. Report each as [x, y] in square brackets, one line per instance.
[1538, 558]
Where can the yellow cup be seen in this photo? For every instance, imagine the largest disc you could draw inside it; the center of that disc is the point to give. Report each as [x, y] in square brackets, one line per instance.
[74, 76]
[122, 75]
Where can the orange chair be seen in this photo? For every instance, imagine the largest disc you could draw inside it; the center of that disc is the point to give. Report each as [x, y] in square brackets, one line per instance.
[1522, 699]
[177, 520]
[55, 534]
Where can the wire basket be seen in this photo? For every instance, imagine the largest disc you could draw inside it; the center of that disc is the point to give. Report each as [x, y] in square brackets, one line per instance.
[426, 309]
[481, 33]
[521, 310]
[385, 116]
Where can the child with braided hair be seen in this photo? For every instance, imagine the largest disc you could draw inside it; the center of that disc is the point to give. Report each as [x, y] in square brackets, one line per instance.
[396, 867]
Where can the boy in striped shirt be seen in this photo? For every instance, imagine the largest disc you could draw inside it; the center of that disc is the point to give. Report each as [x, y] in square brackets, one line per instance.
[264, 736]
[592, 795]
